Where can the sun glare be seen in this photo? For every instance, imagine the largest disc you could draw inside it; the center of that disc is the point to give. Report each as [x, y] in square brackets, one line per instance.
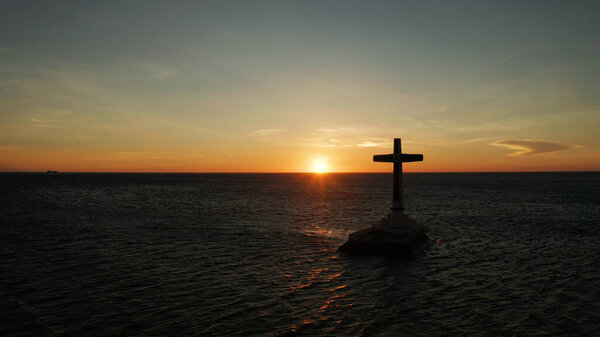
[319, 167]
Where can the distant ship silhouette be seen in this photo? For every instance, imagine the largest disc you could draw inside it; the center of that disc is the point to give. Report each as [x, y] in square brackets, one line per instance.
[397, 234]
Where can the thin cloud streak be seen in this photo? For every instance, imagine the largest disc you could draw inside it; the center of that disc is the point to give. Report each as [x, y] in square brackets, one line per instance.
[371, 144]
[156, 70]
[265, 132]
[529, 147]
[45, 123]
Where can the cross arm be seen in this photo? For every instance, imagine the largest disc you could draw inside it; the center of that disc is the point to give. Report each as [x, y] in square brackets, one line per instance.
[390, 158]
[411, 157]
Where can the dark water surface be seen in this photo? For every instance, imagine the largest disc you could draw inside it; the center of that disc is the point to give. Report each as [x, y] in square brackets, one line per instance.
[255, 254]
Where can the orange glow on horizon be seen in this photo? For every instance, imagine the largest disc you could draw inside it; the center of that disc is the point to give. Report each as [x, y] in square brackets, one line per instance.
[268, 160]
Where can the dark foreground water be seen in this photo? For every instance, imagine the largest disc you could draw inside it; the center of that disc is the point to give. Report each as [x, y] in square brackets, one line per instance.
[255, 254]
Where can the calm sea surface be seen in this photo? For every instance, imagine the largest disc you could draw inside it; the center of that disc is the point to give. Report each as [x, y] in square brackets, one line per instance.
[255, 254]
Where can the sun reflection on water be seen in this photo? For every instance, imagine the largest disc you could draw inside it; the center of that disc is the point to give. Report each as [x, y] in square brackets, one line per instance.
[319, 281]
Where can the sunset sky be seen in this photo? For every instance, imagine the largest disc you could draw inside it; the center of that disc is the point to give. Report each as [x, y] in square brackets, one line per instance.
[278, 86]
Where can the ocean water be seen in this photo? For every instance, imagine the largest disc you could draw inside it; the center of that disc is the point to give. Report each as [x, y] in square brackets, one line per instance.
[516, 254]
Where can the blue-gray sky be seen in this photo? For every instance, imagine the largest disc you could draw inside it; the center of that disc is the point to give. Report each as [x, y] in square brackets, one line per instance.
[278, 85]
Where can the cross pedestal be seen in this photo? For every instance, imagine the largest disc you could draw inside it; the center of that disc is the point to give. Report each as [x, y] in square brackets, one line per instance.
[396, 221]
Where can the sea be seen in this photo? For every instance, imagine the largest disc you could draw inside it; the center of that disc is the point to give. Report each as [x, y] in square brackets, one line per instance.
[92, 254]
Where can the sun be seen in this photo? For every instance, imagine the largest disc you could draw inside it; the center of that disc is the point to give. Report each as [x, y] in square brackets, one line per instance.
[319, 167]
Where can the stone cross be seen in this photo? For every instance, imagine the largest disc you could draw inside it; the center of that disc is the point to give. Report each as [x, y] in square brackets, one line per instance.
[397, 158]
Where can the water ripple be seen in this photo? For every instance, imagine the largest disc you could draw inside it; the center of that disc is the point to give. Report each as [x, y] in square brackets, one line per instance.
[256, 255]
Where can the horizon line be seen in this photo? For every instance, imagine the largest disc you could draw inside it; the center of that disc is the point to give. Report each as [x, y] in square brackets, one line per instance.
[296, 172]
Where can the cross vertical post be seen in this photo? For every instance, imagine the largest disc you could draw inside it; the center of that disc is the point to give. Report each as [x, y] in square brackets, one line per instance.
[397, 201]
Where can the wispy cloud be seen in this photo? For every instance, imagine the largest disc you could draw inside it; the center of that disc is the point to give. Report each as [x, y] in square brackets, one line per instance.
[528, 147]
[73, 85]
[45, 123]
[156, 70]
[265, 132]
[371, 144]
[6, 50]
[348, 136]
[328, 130]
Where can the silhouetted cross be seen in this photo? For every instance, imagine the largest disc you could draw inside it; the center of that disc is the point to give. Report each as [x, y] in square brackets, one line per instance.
[397, 158]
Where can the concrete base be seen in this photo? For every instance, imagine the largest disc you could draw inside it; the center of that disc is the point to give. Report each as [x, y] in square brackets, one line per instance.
[373, 241]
